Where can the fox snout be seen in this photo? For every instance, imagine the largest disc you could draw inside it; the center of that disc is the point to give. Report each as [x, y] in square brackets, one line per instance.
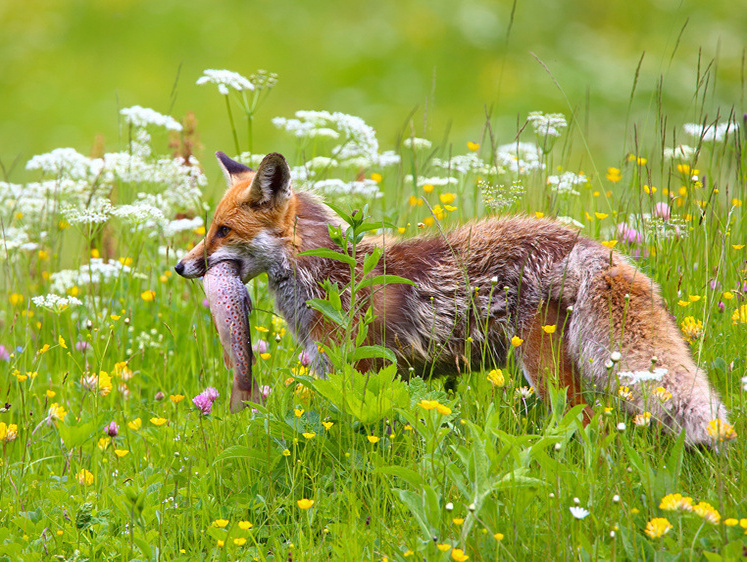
[194, 264]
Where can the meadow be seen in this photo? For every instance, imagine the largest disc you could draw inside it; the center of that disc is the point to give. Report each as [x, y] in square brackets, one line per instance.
[117, 440]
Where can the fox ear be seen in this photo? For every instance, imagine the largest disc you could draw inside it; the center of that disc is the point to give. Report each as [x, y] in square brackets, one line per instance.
[271, 183]
[234, 171]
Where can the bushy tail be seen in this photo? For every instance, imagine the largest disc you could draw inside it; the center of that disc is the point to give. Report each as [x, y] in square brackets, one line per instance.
[625, 342]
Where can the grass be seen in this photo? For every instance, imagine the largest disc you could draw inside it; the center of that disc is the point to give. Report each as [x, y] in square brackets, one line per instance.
[362, 466]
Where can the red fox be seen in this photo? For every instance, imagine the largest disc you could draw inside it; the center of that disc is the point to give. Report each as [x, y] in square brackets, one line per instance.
[479, 290]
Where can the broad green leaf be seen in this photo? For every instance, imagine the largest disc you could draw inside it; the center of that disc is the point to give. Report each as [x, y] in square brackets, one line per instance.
[383, 280]
[329, 254]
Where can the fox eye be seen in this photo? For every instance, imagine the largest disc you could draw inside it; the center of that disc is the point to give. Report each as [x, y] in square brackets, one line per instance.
[222, 231]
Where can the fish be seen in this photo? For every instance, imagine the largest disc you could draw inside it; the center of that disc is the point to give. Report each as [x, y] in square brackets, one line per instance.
[230, 305]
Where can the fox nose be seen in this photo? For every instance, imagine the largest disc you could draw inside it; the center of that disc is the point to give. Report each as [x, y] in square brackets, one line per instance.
[179, 268]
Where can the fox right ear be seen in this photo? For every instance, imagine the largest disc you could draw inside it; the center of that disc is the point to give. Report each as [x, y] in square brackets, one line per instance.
[234, 171]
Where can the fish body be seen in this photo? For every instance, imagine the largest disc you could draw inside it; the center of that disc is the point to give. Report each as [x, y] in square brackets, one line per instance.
[230, 306]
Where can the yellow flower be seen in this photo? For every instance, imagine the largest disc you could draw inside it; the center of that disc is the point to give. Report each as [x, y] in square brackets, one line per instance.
[115, 317]
[244, 525]
[473, 146]
[625, 393]
[16, 299]
[614, 175]
[458, 555]
[539, 214]
[443, 547]
[57, 412]
[373, 438]
[736, 202]
[642, 420]
[457, 520]
[683, 304]
[200, 231]
[104, 443]
[428, 187]
[721, 430]
[220, 543]
[158, 421]
[737, 246]
[305, 503]
[61, 341]
[125, 261]
[286, 452]
[220, 523]
[657, 527]
[498, 536]
[376, 177]
[609, 243]
[692, 329]
[262, 329]
[450, 208]
[731, 522]
[95, 253]
[601, 216]
[727, 295]
[265, 356]
[428, 404]
[662, 394]
[239, 541]
[148, 296]
[8, 432]
[694, 298]
[121, 452]
[44, 348]
[309, 435]
[496, 378]
[135, 424]
[50, 393]
[443, 410]
[676, 502]
[447, 198]
[104, 383]
[298, 412]
[84, 477]
[43, 255]
[516, 341]
[328, 425]
[740, 315]
[176, 398]
[707, 512]
[549, 329]
[20, 377]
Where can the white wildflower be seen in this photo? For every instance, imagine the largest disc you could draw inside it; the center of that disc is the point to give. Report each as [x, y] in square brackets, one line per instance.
[634, 377]
[322, 163]
[55, 303]
[141, 117]
[96, 272]
[463, 164]
[139, 213]
[547, 124]
[66, 163]
[97, 213]
[500, 196]
[565, 183]
[416, 143]
[621, 427]
[434, 181]
[387, 158]
[181, 225]
[519, 157]
[744, 383]
[578, 512]
[570, 221]
[365, 188]
[225, 79]
[711, 132]
[680, 152]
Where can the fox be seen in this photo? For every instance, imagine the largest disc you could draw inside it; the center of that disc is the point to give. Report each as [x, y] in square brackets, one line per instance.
[577, 314]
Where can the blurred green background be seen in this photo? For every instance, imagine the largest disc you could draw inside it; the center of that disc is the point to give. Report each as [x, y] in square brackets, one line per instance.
[68, 66]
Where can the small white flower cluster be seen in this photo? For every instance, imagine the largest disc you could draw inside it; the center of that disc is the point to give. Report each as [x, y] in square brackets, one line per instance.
[96, 272]
[14, 239]
[225, 79]
[55, 303]
[366, 188]
[547, 124]
[569, 221]
[96, 213]
[435, 181]
[634, 377]
[519, 158]
[416, 143]
[139, 213]
[141, 117]
[680, 152]
[172, 228]
[501, 196]
[464, 164]
[711, 133]
[66, 163]
[566, 183]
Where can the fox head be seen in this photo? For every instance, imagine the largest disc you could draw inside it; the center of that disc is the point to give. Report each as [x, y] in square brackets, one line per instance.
[252, 222]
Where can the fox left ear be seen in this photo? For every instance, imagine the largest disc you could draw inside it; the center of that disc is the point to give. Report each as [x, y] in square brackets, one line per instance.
[271, 183]
[234, 171]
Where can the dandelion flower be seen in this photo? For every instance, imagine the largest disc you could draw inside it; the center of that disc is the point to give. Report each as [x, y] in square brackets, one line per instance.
[657, 527]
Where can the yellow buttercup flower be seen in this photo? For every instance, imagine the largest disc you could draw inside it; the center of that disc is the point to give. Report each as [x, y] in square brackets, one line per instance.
[176, 398]
[220, 523]
[148, 296]
[549, 329]
[473, 146]
[458, 555]
[135, 424]
[121, 452]
[373, 438]
[516, 341]
[158, 421]
[245, 525]
[305, 503]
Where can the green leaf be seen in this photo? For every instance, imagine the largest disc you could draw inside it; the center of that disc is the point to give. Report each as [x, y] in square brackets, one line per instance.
[383, 280]
[373, 352]
[330, 254]
[412, 477]
[326, 308]
[371, 261]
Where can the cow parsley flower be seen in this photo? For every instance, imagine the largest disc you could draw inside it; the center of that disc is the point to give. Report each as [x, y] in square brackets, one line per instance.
[519, 157]
[712, 132]
[680, 152]
[55, 303]
[225, 79]
[416, 143]
[97, 213]
[141, 117]
[547, 125]
[565, 183]
[634, 377]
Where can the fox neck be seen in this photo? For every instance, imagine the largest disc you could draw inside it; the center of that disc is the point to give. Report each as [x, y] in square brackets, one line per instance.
[294, 279]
